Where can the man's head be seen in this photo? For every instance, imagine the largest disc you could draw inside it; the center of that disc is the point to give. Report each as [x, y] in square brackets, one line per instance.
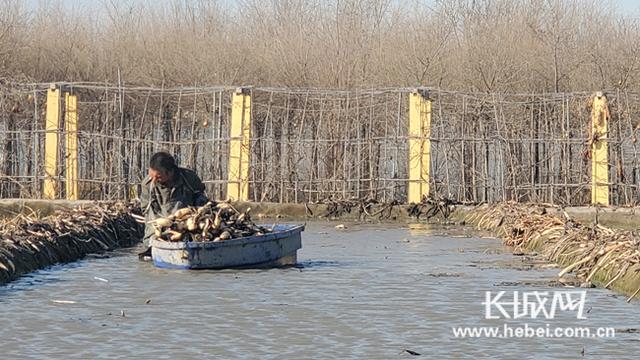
[162, 168]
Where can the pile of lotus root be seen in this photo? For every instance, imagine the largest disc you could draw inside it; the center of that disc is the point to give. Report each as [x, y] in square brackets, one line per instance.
[215, 221]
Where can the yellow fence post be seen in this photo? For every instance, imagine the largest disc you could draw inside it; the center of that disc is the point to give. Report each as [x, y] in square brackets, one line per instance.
[51, 143]
[419, 145]
[71, 137]
[240, 146]
[599, 151]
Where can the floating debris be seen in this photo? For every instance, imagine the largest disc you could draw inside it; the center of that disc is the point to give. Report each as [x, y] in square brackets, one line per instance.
[215, 221]
[63, 301]
[541, 283]
[411, 352]
[444, 274]
[148, 301]
[100, 279]
[98, 256]
[627, 331]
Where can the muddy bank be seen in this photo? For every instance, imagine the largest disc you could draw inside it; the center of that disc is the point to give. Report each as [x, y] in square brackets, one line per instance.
[619, 218]
[599, 255]
[37, 207]
[356, 210]
[28, 244]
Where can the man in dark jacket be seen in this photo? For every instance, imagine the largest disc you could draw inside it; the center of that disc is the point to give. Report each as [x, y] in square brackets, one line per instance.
[166, 189]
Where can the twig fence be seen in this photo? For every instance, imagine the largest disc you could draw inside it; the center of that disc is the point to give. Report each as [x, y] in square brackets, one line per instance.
[305, 145]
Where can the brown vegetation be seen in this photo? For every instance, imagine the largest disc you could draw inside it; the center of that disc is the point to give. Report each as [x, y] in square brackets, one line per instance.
[468, 45]
[610, 258]
[28, 243]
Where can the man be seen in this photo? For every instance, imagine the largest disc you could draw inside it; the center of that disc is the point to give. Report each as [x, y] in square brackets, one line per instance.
[166, 189]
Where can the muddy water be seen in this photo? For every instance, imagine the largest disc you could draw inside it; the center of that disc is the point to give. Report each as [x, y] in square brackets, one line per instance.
[364, 292]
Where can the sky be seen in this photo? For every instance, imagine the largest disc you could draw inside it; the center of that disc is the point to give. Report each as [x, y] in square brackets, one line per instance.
[629, 5]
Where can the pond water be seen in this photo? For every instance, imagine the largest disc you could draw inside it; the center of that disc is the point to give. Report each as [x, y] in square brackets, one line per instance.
[369, 291]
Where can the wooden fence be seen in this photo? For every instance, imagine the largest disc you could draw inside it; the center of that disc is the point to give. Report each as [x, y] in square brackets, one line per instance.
[304, 145]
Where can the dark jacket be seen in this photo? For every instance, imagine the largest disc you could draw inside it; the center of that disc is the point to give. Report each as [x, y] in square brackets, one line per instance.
[159, 201]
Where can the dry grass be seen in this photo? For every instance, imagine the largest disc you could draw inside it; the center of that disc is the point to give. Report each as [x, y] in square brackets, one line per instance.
[482, 45]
